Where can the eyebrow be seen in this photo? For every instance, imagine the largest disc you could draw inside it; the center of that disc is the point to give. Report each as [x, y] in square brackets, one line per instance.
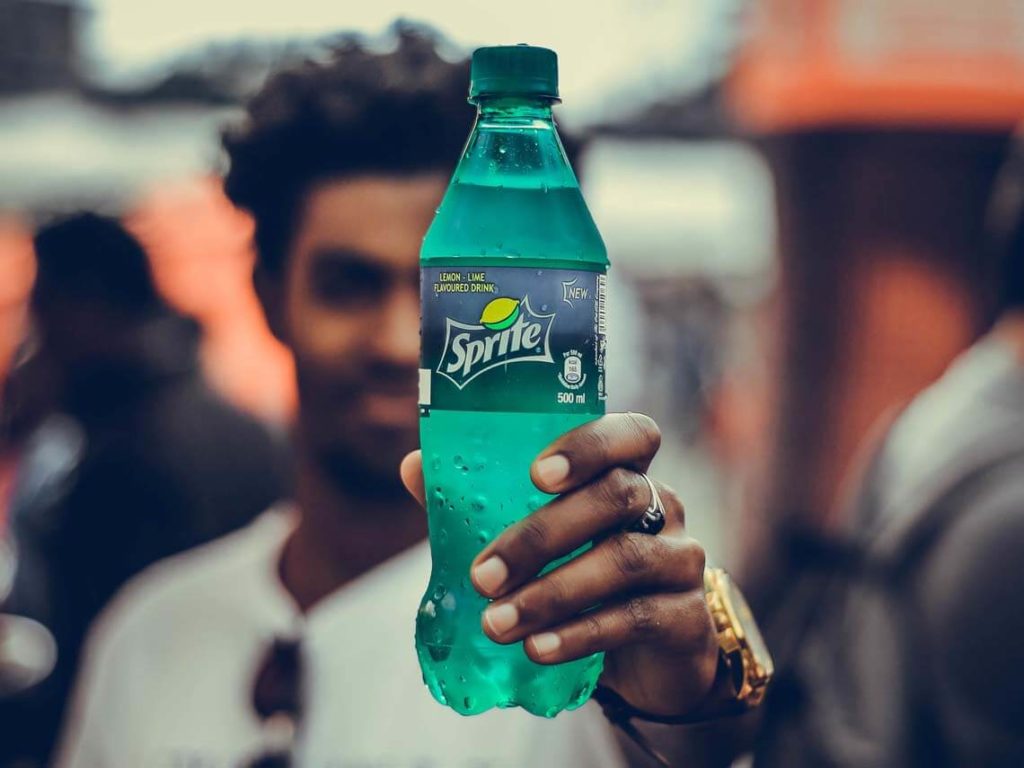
[345, 255]
[333, 255]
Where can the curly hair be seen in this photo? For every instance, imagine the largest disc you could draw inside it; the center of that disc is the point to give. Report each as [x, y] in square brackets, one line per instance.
[395, 113]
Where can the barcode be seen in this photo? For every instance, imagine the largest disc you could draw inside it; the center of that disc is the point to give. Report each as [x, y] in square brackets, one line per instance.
[602, 305]
[424, 386]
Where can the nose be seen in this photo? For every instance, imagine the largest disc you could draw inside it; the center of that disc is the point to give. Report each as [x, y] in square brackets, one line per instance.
[395, 336]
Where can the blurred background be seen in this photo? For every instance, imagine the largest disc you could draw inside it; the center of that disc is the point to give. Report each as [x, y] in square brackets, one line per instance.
[117, 105]
[767, 367]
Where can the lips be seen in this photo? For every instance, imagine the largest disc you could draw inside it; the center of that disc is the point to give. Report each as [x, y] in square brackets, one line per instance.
[389, 409]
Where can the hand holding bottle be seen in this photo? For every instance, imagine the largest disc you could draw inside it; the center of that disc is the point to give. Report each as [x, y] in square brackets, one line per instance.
[651, 619]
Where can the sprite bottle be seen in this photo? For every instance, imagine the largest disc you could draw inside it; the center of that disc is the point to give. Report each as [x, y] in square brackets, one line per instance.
[513, 345]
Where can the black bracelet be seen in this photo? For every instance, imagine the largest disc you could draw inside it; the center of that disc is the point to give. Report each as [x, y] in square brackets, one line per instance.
[621, 713]
[617, 709]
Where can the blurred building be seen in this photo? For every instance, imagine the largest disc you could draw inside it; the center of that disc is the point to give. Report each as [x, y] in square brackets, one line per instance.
[146, 152]
[38, 45]
[684, 207]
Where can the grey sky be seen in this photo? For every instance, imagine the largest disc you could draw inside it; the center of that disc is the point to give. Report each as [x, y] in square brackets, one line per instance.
[603, 45]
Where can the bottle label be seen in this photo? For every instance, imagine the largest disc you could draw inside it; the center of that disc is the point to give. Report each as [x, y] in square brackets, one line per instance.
[512, 339]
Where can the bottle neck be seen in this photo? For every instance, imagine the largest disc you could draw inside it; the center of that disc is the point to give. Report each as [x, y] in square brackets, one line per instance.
[514, 109]
[515, 144]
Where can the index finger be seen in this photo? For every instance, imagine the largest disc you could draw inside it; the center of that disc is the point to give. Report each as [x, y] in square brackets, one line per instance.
[411, 472]
[627, 440]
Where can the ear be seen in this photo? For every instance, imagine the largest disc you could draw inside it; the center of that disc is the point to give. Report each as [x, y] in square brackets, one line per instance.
[270, 292]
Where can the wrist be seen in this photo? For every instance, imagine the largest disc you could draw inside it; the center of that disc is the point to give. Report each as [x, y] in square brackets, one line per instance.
[720, 701]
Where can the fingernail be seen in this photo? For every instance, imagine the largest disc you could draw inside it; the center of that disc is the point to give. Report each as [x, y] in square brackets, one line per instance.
[501, 618]
[490, 574]
[546, 643]
[552, 470]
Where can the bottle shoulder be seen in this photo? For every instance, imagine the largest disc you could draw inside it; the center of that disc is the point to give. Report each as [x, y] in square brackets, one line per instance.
[514, 222]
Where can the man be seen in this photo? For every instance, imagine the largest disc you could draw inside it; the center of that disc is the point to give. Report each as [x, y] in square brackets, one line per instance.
[294, 638]
[127, 423]
[899, 651]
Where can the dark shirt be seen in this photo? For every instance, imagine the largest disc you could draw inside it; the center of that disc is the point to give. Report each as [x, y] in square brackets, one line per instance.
[143, 461]
[900, 644]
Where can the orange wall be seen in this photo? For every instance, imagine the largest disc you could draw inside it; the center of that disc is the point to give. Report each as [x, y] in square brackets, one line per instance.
[202, 262]
[200, 247]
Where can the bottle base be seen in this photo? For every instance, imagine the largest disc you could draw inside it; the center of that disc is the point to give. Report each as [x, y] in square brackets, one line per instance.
[476, 679]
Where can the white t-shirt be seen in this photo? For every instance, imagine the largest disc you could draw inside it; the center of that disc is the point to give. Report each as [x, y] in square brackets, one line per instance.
[169, 671]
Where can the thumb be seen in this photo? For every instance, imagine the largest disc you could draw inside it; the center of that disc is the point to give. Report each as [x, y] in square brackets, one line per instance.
[412, 475]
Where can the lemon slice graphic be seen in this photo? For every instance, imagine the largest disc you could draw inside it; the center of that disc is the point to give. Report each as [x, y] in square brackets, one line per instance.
[499, 314]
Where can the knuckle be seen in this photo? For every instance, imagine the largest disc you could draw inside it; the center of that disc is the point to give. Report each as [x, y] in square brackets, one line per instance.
[527, 605]
[698, 560]
[593, 445]
[587, 634]
[695, 631]
[550, 597]
[593, 628]
[533, 535]
[622, 491]
[630, 553]
[642, 616]
[682, 561]
[646, 429]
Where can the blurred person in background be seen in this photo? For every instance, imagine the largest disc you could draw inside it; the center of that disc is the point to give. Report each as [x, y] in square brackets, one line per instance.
[884, 125]
[904, 649]
[132, 457]
[291, 642]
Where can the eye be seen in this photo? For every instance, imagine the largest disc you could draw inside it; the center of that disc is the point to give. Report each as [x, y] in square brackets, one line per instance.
[347, 282]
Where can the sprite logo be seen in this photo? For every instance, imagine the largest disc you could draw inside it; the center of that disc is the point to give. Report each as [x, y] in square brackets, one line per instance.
[509, 332]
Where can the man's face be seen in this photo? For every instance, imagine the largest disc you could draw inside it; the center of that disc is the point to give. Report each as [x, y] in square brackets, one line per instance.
[349, 309]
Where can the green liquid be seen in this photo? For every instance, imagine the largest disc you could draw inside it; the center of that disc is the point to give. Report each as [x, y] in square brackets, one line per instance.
[477, 468]
[479, 232]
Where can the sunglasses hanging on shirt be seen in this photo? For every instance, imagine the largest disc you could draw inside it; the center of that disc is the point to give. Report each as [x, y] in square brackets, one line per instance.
[277, 700]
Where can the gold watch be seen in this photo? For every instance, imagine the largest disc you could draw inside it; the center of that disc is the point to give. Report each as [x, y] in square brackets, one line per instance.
[739, 639]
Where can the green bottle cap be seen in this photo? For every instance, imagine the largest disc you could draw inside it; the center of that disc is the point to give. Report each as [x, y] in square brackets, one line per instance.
[514, 70]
